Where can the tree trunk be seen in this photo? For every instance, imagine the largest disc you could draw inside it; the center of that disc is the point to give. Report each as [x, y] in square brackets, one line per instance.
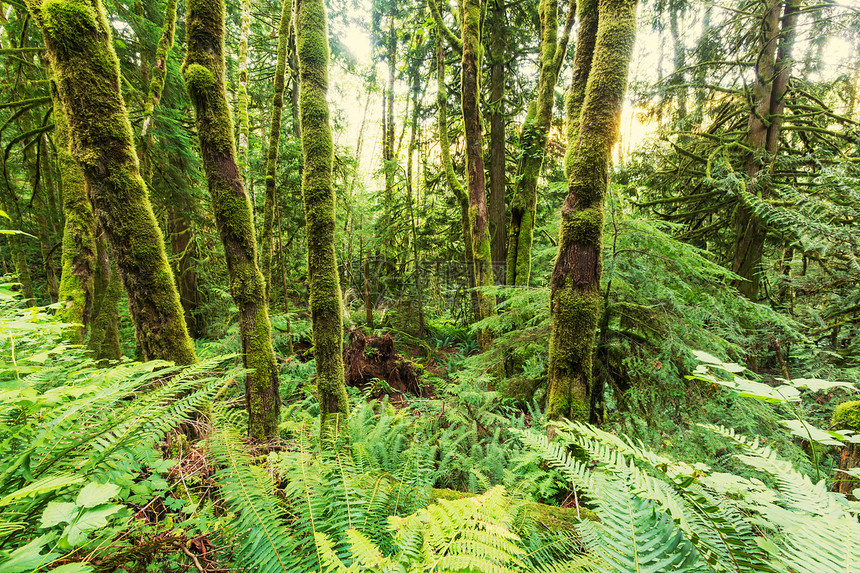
[772, 72]
[319, 201]
[533, 144]
[184, 250]
[80, 47]
[445, 151]
[272, 153]
[242, 93]
[479, 226]
[159, 71]
[104, 332]
[498, 38]
[605, 43]
[203, 71]
[410, 198]
[389, 157]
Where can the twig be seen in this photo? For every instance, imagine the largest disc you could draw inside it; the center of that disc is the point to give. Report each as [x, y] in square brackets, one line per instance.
[193, 557]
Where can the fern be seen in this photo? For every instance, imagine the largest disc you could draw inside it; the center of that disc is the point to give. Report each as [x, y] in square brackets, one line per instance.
[263, 543]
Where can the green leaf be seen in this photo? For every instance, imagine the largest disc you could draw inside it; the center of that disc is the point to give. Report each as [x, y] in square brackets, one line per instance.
[58, 512]
[28, 557]
[89, 521]
[95, 494]
[816, 384]
[73, 568]
[809, 432]
[42, 486]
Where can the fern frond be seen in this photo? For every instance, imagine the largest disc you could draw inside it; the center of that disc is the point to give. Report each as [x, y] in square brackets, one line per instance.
[634, 536]
[264, 543]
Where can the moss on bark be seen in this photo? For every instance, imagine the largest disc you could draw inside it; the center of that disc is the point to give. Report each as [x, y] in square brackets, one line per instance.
[319, 202]
[79, 243]
[266, 243]
[575, 302]
[533, 144]
[445, 150]
[104, 332]
[203, 71]
[478, 214]
[242, 89]
[86, 70]
[159, 71]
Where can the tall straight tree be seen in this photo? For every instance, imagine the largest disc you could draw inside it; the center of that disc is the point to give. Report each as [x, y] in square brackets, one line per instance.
[479, 223]
[319, 201]
[496, 59]
[593, 106]
[79, 45]
[533, 142]
[773, 68]
[203, 71]
[266, 246]
[445, 146]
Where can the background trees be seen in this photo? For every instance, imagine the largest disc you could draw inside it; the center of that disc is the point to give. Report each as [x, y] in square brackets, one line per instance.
[704, 222]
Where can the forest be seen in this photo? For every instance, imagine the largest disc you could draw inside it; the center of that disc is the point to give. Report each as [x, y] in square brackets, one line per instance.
[430, 286]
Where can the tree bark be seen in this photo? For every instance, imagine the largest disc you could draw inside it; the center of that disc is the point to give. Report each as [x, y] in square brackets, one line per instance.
[445, 151]
[773, 68]
[104, 332]
[159, 71]
[86, 71]
[478, 216]
[203, 71]
[319, 202]
[267, 244]
[242, 93]
[533, 143]
[79, 243]
[498, 39]
[605, 43]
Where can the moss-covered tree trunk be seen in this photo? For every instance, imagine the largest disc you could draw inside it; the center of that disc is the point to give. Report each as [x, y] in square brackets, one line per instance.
[203, 71]
[533, 143]
[274, 140]
[104, 329]
[389, 157]
[479, 224]
[79, 45]
[319, 201]
[497, 54]
[773, 68]
[159, 71]
[445, 151]
[242, 89]
[79, 243]
[605, 43]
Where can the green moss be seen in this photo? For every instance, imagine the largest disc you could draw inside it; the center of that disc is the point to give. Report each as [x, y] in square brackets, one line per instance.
[203, 71]
[593, 105]
[847, 416]
[319, 204]
[266, 240]
[86, 71]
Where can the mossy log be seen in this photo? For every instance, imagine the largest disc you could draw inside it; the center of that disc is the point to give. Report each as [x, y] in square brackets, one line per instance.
[79, 45]
[203, 71]
[846, 416]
